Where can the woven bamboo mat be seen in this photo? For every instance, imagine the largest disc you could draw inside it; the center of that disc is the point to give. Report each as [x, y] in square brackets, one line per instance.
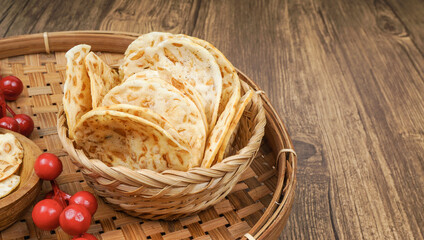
[43, 76]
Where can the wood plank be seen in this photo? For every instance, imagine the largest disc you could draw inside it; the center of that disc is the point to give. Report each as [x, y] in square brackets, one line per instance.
[56, 16]
[147, 16]
[357, 116]
[410, 15]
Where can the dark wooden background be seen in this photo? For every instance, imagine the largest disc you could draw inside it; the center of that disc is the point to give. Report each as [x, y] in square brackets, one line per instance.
[347, 78]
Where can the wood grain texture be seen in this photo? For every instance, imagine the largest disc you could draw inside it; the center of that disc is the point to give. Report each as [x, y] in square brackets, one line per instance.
[347, 78]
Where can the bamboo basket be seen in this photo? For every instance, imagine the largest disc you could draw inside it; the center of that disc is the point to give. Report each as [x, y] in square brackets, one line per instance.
[171, 194]
[257, 205]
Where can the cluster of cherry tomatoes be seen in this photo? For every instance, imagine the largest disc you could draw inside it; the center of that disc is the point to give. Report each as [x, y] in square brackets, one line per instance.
[72, 213]
[10, 89]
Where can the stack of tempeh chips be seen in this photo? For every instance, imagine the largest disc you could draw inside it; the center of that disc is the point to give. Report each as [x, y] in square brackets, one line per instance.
[174, 104]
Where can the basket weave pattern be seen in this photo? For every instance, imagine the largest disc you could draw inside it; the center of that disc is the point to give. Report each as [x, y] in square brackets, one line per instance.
[171, 194]
[258, 204]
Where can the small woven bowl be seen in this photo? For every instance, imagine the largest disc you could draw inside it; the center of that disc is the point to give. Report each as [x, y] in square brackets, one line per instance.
[172, 194]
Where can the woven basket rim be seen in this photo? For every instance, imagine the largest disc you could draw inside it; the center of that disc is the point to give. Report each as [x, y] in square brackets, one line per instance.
[271, 221]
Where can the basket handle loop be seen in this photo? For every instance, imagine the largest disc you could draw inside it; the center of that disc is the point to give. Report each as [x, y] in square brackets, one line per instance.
[46, 42]
[286, 150]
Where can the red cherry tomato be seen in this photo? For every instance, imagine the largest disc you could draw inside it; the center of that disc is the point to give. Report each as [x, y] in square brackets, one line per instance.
[85, 199]
[85, 236]
[3, 108]
[46, 214]
[75, 220]
[12, 87]
[9, 123]
[48, 166]
[26, 125]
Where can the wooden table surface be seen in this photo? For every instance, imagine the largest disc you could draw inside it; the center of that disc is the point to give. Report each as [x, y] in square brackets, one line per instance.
[347, 78]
